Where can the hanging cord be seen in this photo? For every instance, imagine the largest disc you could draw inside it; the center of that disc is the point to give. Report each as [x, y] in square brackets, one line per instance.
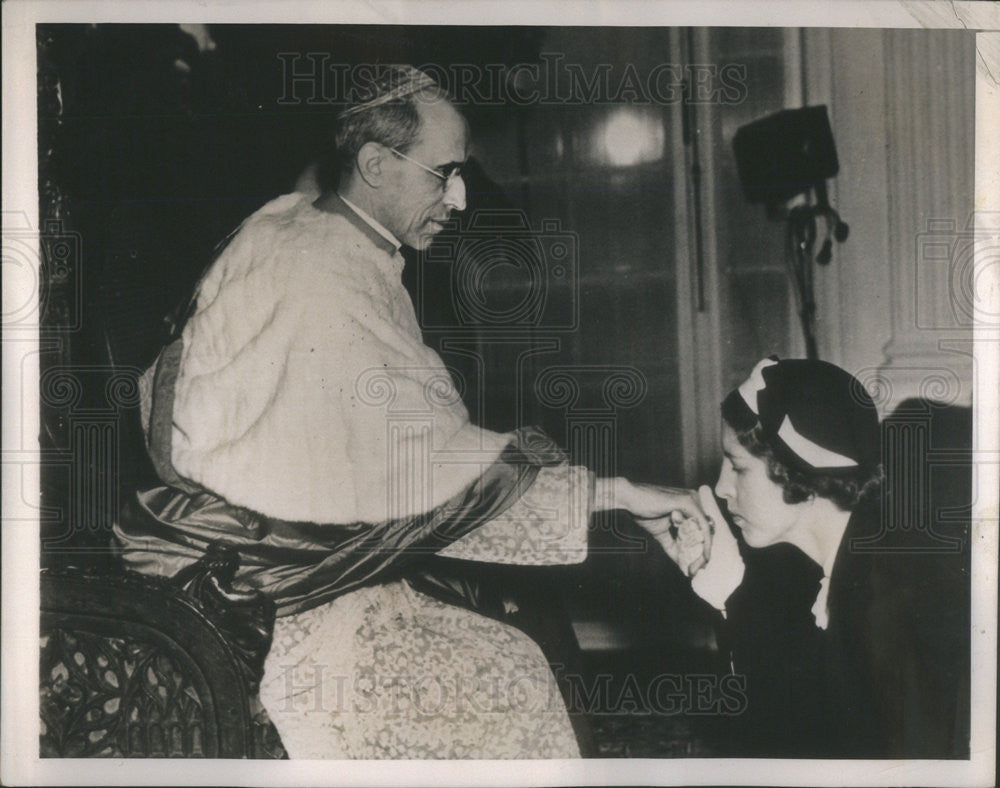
[800, 238]
[836, 228]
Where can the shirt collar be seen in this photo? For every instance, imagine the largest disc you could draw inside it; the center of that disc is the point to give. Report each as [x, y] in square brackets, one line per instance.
[384, 234]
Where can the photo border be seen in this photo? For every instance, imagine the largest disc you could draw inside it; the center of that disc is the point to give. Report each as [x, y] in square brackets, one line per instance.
[20, 543]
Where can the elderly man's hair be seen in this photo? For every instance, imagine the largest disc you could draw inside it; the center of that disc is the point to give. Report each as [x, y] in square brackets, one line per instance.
[387, 113]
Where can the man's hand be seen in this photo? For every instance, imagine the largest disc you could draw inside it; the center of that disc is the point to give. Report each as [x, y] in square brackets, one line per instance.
[646, 501]
[689, 545]
[674, 516]
[689, 542]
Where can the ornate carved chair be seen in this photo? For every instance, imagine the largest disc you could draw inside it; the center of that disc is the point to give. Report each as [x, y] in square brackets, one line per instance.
[133, 666]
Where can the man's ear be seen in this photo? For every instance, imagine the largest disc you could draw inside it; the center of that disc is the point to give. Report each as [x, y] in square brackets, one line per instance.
[369, 163]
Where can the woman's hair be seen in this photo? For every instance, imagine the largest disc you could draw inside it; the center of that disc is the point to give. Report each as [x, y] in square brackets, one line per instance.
[845, 491]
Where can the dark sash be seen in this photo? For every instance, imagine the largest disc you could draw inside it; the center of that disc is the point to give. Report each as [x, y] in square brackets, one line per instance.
[301, 565]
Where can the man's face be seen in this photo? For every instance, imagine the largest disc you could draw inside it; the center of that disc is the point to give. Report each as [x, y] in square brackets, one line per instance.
[754, 501]
[415, 202]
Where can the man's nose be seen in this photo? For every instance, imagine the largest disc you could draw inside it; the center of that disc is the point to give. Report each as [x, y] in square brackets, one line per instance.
[454, 193]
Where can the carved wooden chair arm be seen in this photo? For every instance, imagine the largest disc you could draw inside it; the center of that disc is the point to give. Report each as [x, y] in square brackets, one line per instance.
[136, 666]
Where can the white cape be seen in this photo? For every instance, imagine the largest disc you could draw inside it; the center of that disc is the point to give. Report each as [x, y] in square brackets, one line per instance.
[305, 391]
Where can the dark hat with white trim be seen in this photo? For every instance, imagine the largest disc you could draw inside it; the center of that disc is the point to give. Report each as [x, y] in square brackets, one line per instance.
[816, 417]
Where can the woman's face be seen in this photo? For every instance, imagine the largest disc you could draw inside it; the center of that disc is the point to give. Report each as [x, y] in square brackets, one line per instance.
[754, 501]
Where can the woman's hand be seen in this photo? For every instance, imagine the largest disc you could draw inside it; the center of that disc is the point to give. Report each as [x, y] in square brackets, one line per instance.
[688, 543]
[725, 570]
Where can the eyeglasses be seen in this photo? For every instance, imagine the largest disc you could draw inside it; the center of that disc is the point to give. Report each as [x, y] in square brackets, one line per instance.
[447, 178]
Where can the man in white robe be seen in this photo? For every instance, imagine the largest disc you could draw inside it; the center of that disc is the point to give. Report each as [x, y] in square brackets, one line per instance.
[300, 419]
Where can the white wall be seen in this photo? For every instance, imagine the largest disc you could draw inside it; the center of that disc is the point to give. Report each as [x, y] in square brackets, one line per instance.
[893, 306]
